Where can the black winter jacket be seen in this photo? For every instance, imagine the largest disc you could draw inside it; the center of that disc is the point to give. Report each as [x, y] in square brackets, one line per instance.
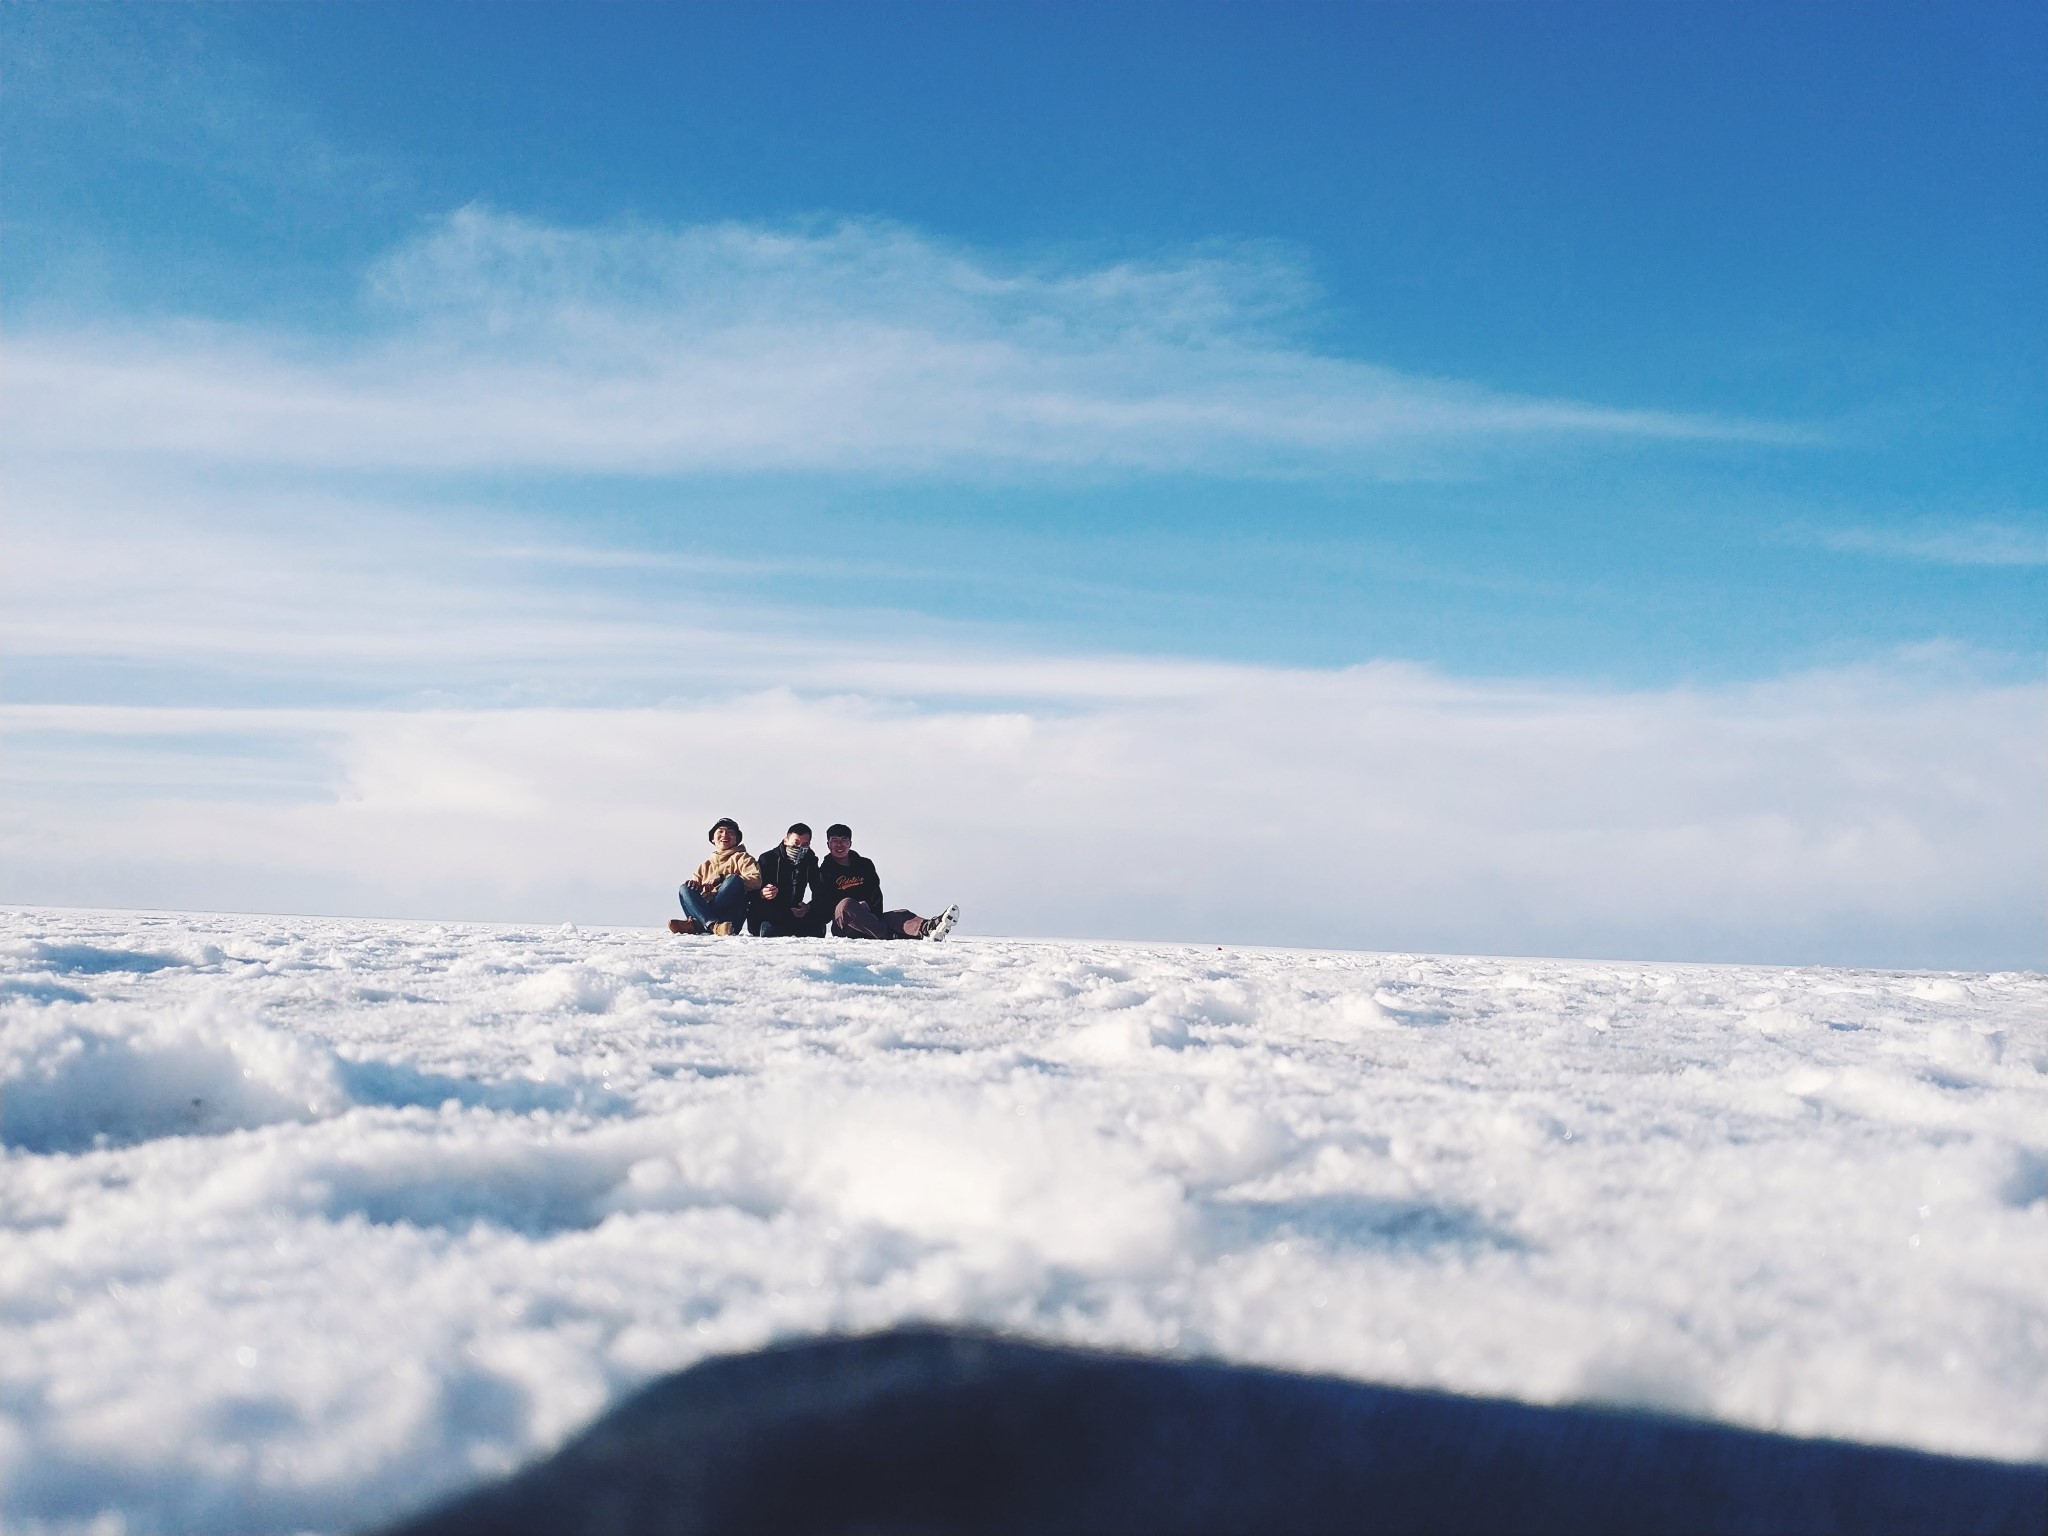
[855, 878]
[795, 880]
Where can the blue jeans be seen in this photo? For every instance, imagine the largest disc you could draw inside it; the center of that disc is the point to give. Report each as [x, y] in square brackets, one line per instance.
[727, 904]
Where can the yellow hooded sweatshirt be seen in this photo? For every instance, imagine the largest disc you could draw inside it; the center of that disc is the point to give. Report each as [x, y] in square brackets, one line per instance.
[734, 861]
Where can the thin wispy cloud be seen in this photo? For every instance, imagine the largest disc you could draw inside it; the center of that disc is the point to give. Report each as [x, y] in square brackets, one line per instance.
[324, 599]
[497, 343]
[1979, 542]
[153, 85]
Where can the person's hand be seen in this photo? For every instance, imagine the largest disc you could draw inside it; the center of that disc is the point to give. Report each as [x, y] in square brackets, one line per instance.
[767, 893]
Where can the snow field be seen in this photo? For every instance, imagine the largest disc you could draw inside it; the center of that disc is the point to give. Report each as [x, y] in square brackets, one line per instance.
[306, 1220]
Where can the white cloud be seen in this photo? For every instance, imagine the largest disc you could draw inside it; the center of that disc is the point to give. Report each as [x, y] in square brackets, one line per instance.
[502, 344]
[316, 597]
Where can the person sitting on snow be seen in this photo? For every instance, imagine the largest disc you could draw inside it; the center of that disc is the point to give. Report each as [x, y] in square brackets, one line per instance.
[787, 904]
[716, 896]
[847, 885]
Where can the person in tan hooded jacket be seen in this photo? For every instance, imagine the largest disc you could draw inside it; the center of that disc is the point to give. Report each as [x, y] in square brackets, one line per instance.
[716, 896]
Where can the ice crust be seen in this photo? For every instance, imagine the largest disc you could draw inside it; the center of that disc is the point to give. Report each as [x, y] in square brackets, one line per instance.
[304, 1221]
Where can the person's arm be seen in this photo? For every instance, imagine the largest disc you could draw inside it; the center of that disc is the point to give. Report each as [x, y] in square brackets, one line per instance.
[749, 871]
[875, 885]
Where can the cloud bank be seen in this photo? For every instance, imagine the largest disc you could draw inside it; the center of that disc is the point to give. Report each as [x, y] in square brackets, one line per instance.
[498, 343]
[1835, 817]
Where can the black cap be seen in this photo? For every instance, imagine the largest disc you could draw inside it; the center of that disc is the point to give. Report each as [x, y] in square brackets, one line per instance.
[725, 821]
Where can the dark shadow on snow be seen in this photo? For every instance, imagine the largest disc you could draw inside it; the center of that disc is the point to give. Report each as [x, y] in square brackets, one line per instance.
[544, 1193]
[395, 1085]
[1358, 1221]
[87, 960]
[858, 973]
[41, 992]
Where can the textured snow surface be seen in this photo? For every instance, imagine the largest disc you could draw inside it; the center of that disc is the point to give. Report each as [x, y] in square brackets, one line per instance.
[303, 1221]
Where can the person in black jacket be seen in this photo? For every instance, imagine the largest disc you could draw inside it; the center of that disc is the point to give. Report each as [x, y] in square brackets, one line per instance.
[787, 905]
[848, 888]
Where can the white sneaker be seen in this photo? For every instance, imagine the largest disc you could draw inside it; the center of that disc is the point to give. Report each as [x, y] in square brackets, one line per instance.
[936, 928]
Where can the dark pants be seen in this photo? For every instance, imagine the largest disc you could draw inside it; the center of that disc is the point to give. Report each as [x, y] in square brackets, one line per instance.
[727, 904]
[780, 923]
[853, 919]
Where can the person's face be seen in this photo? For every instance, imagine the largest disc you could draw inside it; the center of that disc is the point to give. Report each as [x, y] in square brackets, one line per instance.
[840, 846]
[797, 842]
[723, 840]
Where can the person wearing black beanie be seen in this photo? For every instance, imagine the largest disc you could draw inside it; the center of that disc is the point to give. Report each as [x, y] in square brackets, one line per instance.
[716, 896]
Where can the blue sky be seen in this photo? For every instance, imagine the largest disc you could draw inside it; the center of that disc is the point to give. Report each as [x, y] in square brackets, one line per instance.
[417, 358]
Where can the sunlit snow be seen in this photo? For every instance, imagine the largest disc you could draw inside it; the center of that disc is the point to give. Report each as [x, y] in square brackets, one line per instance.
[308, 1220]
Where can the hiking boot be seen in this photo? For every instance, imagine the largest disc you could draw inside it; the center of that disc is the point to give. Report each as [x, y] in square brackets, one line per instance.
[684, 925]
[725, 930]
[936, 928]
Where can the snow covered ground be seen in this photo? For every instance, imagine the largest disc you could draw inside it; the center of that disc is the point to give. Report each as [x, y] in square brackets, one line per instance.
[307, 1220]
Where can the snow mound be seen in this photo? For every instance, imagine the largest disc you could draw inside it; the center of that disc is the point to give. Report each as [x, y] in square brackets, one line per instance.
[96, 960]
[67, 1084]
[989, 1181]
